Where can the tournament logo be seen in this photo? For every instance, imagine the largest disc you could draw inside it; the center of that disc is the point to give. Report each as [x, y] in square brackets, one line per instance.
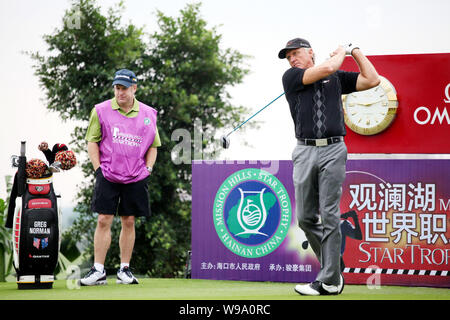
[252, 213]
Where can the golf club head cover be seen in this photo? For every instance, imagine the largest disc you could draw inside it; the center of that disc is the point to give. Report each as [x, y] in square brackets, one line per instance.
[50, 154]
[35, 168]
[58, 147]
[67, 159]
[349, 48]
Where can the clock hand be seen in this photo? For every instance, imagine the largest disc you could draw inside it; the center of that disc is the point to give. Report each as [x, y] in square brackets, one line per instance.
[364, 104]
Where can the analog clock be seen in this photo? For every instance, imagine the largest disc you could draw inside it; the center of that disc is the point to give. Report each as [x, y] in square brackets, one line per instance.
[371, 111]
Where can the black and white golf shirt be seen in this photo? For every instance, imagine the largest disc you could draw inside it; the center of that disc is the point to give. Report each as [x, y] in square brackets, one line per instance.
[317, 108]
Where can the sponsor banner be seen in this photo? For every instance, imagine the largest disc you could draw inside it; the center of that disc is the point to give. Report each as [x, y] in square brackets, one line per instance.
[243, 224]
[398, 228]
[422, 122]
[395, 223]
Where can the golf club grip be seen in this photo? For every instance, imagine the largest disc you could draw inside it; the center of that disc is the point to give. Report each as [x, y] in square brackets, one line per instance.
[21, 173]
[22, 148]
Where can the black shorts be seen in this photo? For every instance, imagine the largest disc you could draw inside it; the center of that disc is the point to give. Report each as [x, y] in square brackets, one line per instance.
[124, 199]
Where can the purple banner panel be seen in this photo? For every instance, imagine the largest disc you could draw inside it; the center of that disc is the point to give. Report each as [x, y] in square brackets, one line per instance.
[395, 223]
[244, 226]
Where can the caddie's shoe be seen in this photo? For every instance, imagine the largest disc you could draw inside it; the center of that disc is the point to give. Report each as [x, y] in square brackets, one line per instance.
[94, 278]
[316, 288]
[124, 276]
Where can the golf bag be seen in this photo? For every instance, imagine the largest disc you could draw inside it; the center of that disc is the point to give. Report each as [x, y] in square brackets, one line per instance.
[34, 214]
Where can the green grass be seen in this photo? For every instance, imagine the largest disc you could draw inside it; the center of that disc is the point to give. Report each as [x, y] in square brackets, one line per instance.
[190, 289]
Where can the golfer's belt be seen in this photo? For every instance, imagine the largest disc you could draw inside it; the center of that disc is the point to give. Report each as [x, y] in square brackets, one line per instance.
[319, 142]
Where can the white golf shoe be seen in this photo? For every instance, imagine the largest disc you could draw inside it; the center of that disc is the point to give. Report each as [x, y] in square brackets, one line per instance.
[124, 276]
[94, 278]
[318, 288]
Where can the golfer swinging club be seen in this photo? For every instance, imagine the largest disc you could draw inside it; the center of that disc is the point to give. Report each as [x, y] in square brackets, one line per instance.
[319, 158]
[122, 146]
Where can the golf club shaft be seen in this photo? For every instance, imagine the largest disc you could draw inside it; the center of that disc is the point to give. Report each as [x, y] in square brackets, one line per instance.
[255, 114]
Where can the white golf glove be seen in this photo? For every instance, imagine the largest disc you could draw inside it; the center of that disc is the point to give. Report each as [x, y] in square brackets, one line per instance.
[349, 48]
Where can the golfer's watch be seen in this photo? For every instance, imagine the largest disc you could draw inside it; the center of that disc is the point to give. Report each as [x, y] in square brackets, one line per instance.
[150, 169]
[371, 111]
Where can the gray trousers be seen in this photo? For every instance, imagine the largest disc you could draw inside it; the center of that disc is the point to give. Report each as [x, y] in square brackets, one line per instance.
[318, 176]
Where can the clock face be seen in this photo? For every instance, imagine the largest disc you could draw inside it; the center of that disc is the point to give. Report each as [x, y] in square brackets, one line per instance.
[371, 111]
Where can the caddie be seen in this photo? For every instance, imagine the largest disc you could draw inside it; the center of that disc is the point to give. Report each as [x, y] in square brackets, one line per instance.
[122, 146]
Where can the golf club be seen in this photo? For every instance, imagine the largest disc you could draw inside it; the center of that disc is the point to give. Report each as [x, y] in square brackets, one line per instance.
[226, 141]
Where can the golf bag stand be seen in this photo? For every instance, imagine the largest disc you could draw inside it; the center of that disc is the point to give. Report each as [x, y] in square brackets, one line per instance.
[36, 227]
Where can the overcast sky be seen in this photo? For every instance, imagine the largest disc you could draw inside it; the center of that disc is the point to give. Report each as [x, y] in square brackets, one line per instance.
[256, 28]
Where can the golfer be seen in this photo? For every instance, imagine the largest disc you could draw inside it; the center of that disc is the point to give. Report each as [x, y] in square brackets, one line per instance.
[122, 146]
[319, 158]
